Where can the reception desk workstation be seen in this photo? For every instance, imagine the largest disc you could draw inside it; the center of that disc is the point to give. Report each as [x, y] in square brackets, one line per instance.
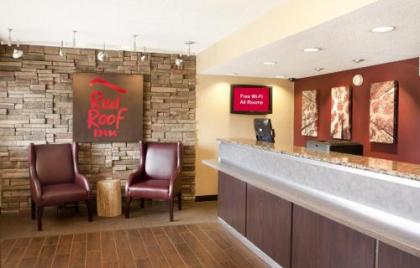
[300, 208]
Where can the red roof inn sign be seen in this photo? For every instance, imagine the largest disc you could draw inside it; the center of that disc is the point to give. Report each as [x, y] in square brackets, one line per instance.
[107, 107]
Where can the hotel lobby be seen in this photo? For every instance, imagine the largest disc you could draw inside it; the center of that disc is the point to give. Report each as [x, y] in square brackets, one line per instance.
[271, 133]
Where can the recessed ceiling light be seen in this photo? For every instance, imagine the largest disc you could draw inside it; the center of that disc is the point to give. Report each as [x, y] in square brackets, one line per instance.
[358, 60]
[382, 29]
[269, 62]
[319, 69]
[312, 49]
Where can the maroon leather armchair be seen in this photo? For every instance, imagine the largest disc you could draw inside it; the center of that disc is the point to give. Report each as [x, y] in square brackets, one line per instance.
[157, 177]
[55, 178]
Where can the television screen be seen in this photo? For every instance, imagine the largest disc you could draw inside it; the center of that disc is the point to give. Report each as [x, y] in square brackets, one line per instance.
[250, 99]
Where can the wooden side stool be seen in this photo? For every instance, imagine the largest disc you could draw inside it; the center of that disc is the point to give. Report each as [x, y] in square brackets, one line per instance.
[108, 197]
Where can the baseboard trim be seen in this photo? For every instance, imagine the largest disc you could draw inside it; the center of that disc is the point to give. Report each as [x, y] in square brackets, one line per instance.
[202, 198]
[267, 259]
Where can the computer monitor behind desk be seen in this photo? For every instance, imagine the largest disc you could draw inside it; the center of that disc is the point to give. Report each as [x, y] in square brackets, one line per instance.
[263, 130]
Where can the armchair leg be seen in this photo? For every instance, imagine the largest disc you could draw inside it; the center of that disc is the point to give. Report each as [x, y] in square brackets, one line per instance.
[179, 201]
[40, 211]
[89, 209]
[171, 209]
[76, 207]
[33, 216]
[127, 206]
[142, 203]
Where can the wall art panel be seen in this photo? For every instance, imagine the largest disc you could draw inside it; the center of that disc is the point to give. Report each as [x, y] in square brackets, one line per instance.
[309, 113]
[383, 112]
[107, 107]
[341, 113]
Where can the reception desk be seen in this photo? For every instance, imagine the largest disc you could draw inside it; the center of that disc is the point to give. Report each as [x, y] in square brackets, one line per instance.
[299, 208]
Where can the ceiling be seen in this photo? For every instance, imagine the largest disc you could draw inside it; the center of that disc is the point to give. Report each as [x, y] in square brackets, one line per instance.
[165, 25]
[162, 25]
[342, 40]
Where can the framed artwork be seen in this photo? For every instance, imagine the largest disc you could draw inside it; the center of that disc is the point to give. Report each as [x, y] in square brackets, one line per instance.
[341, 113]
[107, 107]
[383, 112]
[309, 126]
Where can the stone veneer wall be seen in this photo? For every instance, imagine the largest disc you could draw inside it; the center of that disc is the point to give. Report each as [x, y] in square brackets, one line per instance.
[36, 106]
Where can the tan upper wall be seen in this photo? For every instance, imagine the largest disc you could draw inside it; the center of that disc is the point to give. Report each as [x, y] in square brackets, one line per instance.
[287, 19]
[214, 120]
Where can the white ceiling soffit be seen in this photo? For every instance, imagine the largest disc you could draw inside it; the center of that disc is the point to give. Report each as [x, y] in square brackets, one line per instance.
[163, 25]
[342, 40]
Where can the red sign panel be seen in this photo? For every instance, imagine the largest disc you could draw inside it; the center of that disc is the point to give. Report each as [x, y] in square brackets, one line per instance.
[107, 107]
[250, 99]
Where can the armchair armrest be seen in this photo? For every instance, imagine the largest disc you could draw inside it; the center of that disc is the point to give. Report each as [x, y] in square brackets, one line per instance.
[175, 183]
[82, 181]
[134, 177]
[78, 178]
[36, 190]
[175, 180]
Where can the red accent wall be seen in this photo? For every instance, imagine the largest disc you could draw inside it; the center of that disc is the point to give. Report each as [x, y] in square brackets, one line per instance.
[405, 72]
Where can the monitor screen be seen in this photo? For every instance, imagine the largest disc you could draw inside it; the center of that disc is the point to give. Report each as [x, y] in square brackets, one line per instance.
[250, 99]
[263, 130]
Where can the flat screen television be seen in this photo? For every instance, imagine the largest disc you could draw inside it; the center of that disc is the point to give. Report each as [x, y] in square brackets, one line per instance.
[250, 99]
[263, 130]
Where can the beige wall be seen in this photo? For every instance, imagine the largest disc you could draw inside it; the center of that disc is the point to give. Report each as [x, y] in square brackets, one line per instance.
[215, 121]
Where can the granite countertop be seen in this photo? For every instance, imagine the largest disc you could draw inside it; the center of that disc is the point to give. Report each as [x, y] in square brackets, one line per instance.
[389, 167]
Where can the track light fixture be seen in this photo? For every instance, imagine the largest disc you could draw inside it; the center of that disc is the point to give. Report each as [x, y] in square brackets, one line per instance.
[143, 55]
[189, 44]
[179, 61]
[74, 38]
[135, 42]
[61, 51]
[17, 53]
[102, 55]
[9, 40]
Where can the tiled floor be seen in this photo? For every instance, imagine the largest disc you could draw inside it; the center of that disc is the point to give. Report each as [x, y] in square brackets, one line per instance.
[67, 222]
[195, 245]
